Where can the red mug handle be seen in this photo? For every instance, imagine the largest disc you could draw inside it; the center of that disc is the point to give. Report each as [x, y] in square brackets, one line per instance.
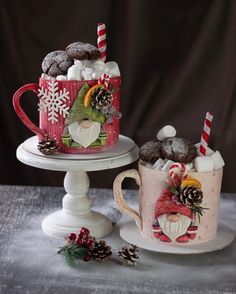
[20, 112]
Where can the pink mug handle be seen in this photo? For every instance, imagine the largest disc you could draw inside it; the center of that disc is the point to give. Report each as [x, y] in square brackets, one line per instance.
[20, 112]
[119, 198]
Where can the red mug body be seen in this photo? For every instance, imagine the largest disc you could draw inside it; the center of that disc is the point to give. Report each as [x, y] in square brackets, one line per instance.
[55, 101]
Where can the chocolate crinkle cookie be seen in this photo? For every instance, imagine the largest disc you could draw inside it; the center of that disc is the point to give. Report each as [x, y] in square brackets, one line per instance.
[56, 63]
[178, 149]
[82, 51]
[150, 151]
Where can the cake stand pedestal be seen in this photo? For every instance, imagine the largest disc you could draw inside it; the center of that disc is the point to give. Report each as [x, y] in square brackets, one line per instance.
[76, 206]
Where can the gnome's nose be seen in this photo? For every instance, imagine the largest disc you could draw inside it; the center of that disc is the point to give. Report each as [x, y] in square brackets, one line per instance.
[85, 124]
[173, 218]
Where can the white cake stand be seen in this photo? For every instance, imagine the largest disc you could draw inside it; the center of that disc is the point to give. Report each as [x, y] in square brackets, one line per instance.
[76, 205]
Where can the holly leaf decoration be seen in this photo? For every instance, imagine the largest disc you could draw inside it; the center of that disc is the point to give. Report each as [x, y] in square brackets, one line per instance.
[78, 112]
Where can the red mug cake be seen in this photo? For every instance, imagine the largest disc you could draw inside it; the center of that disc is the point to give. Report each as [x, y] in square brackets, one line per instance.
[79, 97]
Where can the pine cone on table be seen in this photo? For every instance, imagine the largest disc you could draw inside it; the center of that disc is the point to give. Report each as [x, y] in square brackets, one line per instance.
[47, 146]
[128, 255]
[101, 98]
[191, 196]
[101, 251]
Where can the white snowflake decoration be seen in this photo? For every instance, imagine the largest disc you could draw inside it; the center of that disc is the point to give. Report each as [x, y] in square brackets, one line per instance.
[53, 101]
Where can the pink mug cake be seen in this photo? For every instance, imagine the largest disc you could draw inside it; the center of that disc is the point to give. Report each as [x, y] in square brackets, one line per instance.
[179, 194]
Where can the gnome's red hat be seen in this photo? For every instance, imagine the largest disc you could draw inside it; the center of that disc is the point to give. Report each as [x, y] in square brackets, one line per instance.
[165, 204]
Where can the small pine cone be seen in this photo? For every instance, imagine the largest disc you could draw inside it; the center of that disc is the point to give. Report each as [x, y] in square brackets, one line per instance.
[190, 196]
[101, 98]
[47, 146]
[128, 255]
[100, 251]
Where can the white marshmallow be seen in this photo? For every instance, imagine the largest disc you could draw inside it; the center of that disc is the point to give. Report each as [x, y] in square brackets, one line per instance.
[88, 63]
[88, 70]
[73, 73]
[61, 78]
[166, 132]
[87, 76]
[99, 65]
[218, 161]
[204, 164]
[167, 165]
[158, 164]
[209, 151]
[45, 76]
[79, 64]
[112, 68]
[95, 75]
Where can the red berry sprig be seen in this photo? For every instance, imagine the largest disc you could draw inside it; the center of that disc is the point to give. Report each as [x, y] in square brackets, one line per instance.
[78, 247]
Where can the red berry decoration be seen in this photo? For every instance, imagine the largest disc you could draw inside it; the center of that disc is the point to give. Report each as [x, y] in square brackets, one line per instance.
[87, 258]
[84, 247]
[90, 243]
[85, 231]
[79, 242]
[72, 237]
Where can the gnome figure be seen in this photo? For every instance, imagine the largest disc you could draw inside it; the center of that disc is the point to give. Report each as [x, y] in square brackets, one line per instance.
[84, 123]
[84, 132]
[173, 222]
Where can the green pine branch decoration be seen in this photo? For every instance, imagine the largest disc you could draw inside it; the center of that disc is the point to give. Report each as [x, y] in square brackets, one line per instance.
[172, 189]
[199, 211]
[72, 253]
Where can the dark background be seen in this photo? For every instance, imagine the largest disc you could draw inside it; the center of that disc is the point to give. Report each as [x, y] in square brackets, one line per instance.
[177, 60]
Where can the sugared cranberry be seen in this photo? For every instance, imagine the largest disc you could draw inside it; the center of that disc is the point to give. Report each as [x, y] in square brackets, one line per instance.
[84, 231]
[72, 237]
[83, 238]
[79, 242]
[90, 243]
[87, 257]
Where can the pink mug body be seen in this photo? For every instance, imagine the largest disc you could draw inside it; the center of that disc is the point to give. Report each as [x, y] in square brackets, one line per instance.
[55, 128]
[161, 216]
[151, 189]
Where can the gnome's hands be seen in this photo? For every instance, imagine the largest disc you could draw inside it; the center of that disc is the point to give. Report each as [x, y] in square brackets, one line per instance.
[192, 232]
[190, 235]
[157, 232]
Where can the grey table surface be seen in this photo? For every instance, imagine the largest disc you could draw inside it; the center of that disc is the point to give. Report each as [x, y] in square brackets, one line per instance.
[29, 263]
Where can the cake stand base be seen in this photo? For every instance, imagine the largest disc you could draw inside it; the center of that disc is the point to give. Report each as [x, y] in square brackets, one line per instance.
[59, 224]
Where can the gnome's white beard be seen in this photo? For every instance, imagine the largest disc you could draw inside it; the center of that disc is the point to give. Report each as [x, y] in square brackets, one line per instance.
[84, 136]
[174, 229]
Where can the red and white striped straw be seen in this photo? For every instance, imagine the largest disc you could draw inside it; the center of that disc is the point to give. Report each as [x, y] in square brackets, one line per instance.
[206, 133]
[101, 41]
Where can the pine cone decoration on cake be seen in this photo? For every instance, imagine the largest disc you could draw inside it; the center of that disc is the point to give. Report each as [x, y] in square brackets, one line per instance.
[101, 251]
[128, 255]
[101, 98]
[47, 146]
[191, 196]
